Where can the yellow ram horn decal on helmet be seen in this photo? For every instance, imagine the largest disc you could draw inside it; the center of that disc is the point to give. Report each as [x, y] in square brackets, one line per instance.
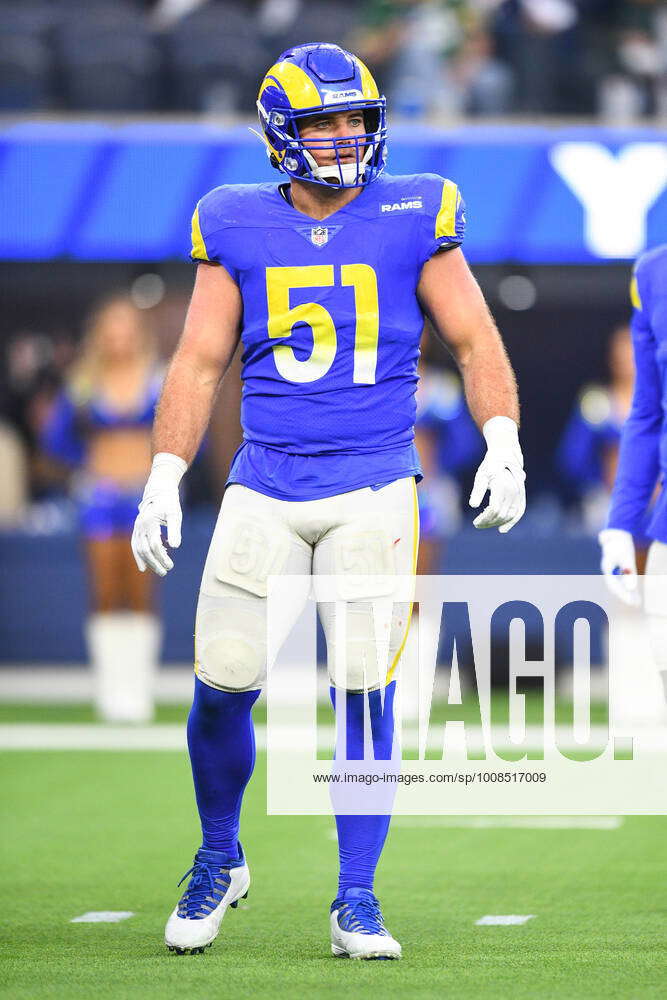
[300, 90]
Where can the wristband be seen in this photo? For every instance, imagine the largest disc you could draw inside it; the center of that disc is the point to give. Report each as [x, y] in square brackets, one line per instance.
[501, 432]
[165, 460]
[166, 472]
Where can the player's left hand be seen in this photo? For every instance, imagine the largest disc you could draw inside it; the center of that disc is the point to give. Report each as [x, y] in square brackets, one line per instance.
[619, 564]
[501, 475]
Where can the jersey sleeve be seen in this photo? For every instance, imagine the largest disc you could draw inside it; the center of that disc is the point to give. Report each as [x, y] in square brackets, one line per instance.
[444, 216]
[199, 250]
[211, 232]
[639, 456]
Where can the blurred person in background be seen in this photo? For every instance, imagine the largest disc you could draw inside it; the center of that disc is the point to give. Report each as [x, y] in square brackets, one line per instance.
[435, 57]
[634, 83]
[31, 376]
[485, 85]
[448, 442]
[545, 44]
[14, 484]
[100, 426]
[587, 456]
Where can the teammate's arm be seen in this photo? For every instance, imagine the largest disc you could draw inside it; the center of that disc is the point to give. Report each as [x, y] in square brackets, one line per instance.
[453, 301]
[638, 465]
[204, 353]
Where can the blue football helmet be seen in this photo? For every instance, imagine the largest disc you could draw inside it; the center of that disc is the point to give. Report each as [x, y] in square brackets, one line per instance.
[322, 77]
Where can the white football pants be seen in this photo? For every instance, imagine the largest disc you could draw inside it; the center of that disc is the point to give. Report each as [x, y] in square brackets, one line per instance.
[373, 533]
[655, 608]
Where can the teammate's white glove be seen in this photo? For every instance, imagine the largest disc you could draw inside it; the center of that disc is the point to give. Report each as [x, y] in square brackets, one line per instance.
[160, 505]
[501, 473]
[619, 564]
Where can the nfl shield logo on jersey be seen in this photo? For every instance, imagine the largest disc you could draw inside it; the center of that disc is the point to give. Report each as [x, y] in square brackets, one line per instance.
[319, 235]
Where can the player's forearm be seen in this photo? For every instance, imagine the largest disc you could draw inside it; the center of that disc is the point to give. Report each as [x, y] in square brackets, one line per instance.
[637, 473]
[185, 407]
[453, 300]
[488, 379]
[639, 454]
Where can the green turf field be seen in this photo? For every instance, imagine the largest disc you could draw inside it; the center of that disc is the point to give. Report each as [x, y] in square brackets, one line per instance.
[68, 712]
[115, 831]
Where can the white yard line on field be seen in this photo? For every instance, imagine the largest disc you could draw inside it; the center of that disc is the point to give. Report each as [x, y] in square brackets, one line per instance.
[504, 822]
[514, 822]
[504, 918]
[102, 917]
[91, 736]
[95, 736]
[75, 684]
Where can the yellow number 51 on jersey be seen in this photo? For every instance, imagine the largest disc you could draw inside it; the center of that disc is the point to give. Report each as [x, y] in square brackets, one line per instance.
[279, 281]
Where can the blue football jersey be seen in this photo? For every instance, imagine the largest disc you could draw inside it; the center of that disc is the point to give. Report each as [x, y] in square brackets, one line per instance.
[643, 452]
[331, 328]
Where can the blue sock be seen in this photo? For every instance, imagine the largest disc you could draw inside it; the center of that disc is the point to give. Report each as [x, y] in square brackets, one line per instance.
[221, 740]
[361, 838]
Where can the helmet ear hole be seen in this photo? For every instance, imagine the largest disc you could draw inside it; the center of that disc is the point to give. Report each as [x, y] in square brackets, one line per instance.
[273, 160]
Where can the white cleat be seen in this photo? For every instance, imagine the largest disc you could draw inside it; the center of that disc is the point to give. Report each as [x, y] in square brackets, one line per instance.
[357, 927]
[216, 883]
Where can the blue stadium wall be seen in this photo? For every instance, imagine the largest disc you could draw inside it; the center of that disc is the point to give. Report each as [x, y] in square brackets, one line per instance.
[104, 192]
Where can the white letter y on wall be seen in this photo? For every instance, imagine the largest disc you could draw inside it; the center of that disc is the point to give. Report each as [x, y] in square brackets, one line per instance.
[615, 191]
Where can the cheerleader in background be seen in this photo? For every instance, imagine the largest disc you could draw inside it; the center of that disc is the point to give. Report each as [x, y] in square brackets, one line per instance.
[100, 425]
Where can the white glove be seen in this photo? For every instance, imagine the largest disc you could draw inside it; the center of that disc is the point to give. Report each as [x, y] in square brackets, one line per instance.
[160, 505]
[501, 473]
[618, 554]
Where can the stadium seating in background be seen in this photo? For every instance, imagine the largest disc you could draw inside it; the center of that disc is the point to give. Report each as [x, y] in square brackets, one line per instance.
[214, 59]
[309, 21]
[107, 59]
[26, 59]
[432, 57]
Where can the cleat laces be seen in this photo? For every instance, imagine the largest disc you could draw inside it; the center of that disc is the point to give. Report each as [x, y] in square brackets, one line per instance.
[205, 890]
[361, 915]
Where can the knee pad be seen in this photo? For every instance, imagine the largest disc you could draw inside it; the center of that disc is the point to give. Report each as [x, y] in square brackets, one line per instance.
[230, 643]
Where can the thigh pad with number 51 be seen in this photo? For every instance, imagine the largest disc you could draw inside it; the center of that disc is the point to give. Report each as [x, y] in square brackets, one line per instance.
[247, 549]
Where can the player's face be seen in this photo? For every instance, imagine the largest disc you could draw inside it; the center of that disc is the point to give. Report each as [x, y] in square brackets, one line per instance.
[621, 360]
[337, 125]
[119, 332]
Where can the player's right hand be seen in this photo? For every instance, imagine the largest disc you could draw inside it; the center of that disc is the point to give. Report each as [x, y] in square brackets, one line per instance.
[619, 564]
[160, 505]
[501, 475]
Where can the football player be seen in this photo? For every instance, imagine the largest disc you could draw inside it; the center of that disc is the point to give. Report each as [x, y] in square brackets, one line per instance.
[642, 461]
[326, 278]
[643, 451]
